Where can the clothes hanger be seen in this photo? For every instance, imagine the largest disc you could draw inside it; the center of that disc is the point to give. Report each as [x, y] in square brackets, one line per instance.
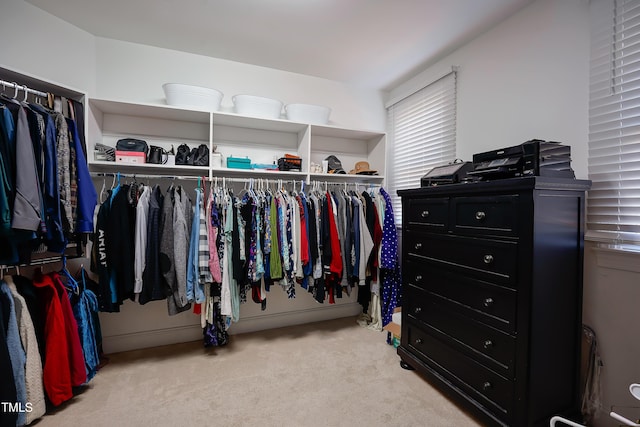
[82, 280]
[72, 283]
[103, 190]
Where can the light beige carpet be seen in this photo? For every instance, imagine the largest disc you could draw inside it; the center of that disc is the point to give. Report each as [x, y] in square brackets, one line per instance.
[332, 373]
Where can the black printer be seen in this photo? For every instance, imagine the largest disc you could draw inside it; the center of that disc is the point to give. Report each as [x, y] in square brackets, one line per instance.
[531, 158]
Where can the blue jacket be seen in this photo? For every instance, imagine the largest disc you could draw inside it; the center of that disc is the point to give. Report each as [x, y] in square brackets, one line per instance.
[54, 238]
[87, 196]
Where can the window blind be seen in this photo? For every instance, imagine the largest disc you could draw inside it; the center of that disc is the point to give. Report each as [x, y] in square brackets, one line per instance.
[613, 207]
[422, 128]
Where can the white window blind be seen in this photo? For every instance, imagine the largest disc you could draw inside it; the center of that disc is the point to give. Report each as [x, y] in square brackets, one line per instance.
[422, 128]
[613, 207]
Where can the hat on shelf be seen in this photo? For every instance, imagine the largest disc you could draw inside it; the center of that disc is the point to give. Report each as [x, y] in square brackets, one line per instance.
[363, 168]
[334, 165]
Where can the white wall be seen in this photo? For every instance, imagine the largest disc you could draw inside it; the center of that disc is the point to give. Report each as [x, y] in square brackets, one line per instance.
[526, 78]
[134, 72]
[611, 296]
[529, 78]
[41, 45]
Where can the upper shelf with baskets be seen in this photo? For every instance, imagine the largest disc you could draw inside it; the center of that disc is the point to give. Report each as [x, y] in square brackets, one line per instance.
[263, 141]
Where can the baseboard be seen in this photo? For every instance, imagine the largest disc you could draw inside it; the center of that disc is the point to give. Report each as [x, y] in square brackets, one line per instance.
[152, 338]
[297, 317]
[158, 337]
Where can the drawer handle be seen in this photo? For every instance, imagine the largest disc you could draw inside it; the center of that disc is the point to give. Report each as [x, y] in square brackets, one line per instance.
[488, 259]
[487, 386]
[487, 344]
[417, 310]
[419, 341]
[424, 214]
[480, 215]
[418, 246]
[418, 278]
[488, 302]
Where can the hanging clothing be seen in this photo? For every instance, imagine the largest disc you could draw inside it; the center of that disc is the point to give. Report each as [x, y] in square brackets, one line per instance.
[141, 230]
[86, 197]
[27, 207]
[390, 265]
[212, 253]
[76, 357]
[120, 246]
[55, 238]
[63, 153]
[213, 231]
[195, 289]
[85, 308]
[153, 283]
[56, 369]
[167, 262]
[229, 253]
[33, 363]
[7, 384]
[181, 242]
[101, 259]
[17, 355]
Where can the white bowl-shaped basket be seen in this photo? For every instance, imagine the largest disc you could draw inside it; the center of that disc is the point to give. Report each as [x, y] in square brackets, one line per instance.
[201, 98]
[308, 113]
[257, 106]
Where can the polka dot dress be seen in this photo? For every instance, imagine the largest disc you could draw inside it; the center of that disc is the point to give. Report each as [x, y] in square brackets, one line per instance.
[389, 265]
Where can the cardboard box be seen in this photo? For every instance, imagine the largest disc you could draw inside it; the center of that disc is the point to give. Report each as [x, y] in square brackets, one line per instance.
[393, 327]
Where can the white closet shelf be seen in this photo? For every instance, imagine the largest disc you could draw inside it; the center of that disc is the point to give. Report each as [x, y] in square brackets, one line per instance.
[347, 178]
[261, 140]
[258, 173]
[156, 111]
[344, 133]
[148, 168]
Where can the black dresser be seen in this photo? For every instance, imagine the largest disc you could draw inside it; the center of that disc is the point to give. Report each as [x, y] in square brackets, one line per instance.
[492, 295]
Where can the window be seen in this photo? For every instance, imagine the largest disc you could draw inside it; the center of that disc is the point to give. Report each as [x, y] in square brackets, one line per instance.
[613, 211]
[422, 128]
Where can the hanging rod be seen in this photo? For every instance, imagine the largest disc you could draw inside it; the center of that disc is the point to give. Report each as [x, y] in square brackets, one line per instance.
[24, 88]
[136, 175]
[225, 180]
[194, 178]
[34, 262]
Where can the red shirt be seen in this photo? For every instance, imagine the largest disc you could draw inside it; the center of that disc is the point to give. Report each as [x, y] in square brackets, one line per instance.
[336, 254]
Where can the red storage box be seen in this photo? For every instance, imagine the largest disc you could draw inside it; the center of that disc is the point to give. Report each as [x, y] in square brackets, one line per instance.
[131, 157]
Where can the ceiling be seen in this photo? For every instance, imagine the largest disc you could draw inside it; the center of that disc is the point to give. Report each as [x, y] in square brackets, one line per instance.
[372, 43]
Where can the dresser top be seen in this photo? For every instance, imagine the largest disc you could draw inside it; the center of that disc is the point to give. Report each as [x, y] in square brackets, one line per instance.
[501, 185]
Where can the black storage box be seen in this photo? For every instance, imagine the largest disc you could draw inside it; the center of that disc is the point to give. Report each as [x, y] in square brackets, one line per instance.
[290, 164]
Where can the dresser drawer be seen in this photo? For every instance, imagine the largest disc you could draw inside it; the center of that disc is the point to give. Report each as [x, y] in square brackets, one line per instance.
[483, 301]
[428, 213]
[491, 347]
[496, 215]
[492, 260]
[475, 379]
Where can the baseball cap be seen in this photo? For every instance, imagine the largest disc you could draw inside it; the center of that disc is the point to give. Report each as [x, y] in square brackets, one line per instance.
[335, 166]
